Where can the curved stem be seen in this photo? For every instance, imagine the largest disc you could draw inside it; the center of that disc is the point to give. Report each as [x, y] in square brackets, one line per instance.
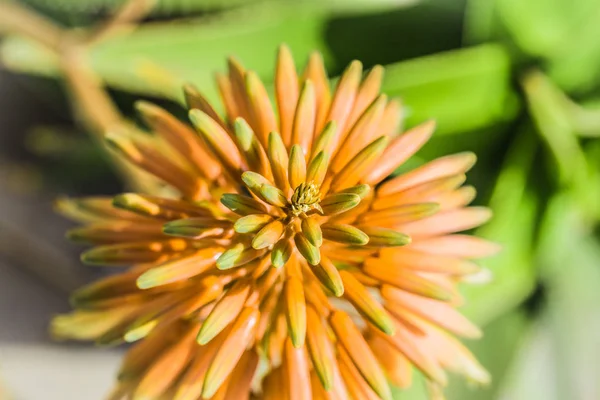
[18, 19]
[98, 112]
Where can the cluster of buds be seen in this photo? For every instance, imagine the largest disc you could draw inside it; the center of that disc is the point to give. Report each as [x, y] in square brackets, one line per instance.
[287, 266]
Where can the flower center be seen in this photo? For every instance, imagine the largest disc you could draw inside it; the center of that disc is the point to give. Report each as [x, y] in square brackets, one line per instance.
[305, 198]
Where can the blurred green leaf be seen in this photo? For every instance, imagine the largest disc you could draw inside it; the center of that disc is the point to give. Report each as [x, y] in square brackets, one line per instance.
[576, 66]
[562, 32]
[538, 26]
[592, 151]
[188, 51]
[555, 124]
[532, 374]
[463, 89]
[417, 391]
[496, 351]
[513, 227]
[74, 8]
[395, 35]
[158, 57]
[585, 117]
[481, 22]
[568, 259]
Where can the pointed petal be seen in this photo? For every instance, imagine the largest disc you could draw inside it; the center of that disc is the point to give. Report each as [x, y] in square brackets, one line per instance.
[241, 378]
[149, 158]
[196, 228]
[413, 259]
[368, 91]
[345, 234]
[230, 352]
[344, 96]
[405, 343]
[195, 99]
[286, 91]
[179, 269]
[358, 351]
[209, 290]
[453, 355]
[115, 232]
[457, 245]
[318, 392]
[190, 386]
[219, 142]
[254, 182]
[338, 203]
[430, 191]
[400, 150]
[457, 199]
[237, 77]
[308, 251]
[164, 371]
[89, 325]
[242, 205]
[224, 312]
[296, 311]
[317, 169]
[399, 215]
[275, 385]
[91, 209]
[251, 148]
[366, 304]
[353, 172]
[396, 365]
[106, 288]
[391, 121]
[304, 119]
[281, 252]
[324, 141]
[227, 96]
[238, 255]
[297, 167]
[145, 352]
[445, 166]
[279, 161]
[440, 313]
[268, 235]
[312, 230]
[252, 223]
[141, 205]
[329, 276]
[297, 368]
[315, 71]
[361, 134]
[181, 137]
[382, 237]
[358, 388]
[320, 348]
[405, 279]
[273, 195]
[133, 252]
[260, 107]
[361, 190]
[447, 222]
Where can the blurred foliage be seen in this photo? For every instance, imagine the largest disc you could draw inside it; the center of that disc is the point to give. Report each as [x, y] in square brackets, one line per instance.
[518, 82]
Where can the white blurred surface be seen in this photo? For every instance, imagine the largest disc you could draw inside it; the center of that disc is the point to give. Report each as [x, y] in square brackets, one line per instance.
[53, 372]
[32, 367]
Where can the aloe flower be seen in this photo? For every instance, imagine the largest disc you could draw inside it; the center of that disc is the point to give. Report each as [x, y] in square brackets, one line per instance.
[285, 265]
